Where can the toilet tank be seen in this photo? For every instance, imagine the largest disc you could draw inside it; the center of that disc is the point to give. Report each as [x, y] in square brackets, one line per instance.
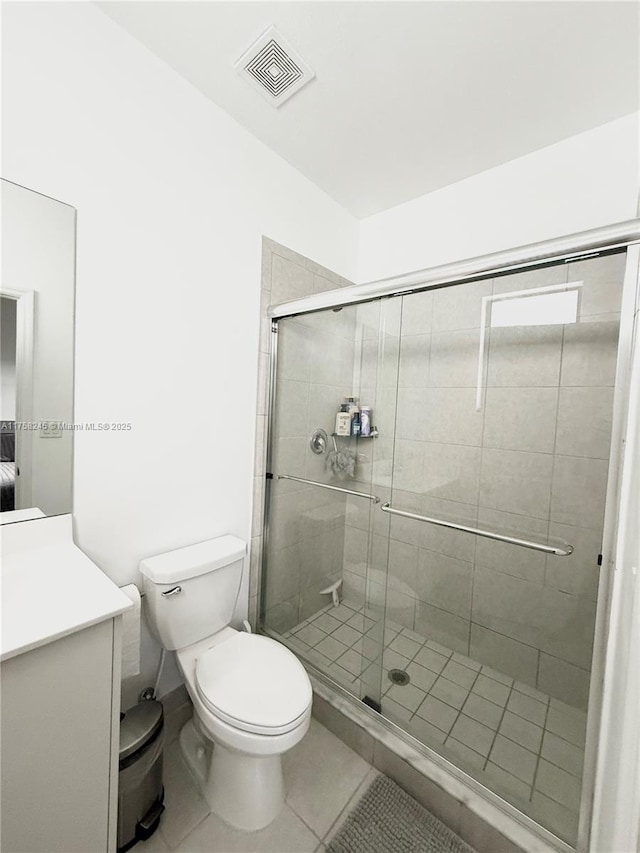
[191, 593]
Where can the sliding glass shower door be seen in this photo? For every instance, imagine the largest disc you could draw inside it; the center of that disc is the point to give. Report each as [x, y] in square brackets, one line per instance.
[325, 584]
[502, 436]
[444, 568]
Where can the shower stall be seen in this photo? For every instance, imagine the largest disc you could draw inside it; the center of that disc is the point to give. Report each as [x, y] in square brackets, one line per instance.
[450, 568]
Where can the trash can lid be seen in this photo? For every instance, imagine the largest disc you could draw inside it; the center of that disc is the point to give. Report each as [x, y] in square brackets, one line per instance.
[138, 725]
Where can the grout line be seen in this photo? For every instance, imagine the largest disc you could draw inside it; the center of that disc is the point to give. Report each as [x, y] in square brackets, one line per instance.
[504, 711]
[350, 802]
[535, 773]
[287, 802]
[459, 710]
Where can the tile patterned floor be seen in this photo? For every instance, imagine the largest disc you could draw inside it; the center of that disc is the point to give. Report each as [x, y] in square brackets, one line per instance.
[317, 803]
[523, 744]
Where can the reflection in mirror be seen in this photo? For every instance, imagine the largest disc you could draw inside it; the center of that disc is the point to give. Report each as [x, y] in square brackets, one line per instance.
[36, 372]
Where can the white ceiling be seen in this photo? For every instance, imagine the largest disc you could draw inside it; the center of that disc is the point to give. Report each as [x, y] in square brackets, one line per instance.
[408, 96]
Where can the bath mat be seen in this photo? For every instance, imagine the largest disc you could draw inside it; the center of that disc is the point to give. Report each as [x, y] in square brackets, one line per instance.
[388, 820]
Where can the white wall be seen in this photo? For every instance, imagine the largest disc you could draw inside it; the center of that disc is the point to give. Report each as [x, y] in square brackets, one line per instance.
[173, 198]
[8, 359]
[583, 182]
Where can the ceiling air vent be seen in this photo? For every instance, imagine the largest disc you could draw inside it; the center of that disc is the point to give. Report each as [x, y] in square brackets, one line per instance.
[273, 67]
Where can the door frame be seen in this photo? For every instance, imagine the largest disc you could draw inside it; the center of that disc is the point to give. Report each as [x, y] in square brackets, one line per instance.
[25, 337]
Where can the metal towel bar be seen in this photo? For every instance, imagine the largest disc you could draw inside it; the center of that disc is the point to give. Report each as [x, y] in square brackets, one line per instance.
[374, 498]
[564, 551]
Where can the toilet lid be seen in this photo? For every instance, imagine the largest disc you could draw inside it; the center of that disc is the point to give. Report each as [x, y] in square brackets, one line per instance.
[254, 684]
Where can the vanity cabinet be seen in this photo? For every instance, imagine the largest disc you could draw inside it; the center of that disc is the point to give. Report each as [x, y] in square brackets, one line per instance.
[59, 694]
[58, 737]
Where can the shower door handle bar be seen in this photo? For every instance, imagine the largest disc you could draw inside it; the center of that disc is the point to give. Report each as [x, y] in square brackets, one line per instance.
[563, 551]
[374, 498]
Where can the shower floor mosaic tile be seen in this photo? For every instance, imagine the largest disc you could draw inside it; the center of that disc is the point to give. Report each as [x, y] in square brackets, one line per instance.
[515, 739]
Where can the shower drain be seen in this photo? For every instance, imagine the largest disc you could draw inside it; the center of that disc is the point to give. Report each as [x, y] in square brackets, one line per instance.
[399, 676]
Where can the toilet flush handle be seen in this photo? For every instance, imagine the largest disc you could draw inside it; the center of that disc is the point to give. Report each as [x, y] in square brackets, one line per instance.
[173, 591]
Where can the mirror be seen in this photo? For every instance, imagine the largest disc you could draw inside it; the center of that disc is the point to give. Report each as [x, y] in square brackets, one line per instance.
[36, 343]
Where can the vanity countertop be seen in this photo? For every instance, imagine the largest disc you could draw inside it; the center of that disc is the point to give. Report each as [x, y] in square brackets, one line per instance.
[49, 587]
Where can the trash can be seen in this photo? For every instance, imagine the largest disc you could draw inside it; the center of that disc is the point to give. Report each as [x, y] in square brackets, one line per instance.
[140, 789]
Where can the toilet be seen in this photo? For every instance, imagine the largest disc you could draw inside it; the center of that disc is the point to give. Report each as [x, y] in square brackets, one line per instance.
[251, 695]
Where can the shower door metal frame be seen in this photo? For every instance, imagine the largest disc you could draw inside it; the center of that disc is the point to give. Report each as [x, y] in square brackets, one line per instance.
[573, 247]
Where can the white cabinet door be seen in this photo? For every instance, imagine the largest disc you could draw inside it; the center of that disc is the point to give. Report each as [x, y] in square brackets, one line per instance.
[56, 704]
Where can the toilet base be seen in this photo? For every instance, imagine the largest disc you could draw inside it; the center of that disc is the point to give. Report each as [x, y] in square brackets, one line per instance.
[196, 751]
[246, 791]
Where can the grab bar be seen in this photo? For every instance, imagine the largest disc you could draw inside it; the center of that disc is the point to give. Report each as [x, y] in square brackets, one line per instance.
[523, 543]
[376, 500]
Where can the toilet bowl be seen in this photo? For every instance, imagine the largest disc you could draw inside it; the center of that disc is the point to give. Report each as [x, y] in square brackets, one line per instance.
[252, 702]
[251, 695]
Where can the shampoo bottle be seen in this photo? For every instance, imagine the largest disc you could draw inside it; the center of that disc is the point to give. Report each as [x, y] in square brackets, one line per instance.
[343, 421]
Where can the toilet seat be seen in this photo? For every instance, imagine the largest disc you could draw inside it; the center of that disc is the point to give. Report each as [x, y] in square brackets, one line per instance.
[254, 684]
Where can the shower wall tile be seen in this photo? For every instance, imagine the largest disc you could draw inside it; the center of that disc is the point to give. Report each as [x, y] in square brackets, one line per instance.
[331, 279]
[353, 588]
[359, 513]
[258, 505]
[255, 565]
[366, 515]
[417, 314]
[454, 359]
[528, 279]
[400, 608]
[284, 615]
[403, 568]
[293, 352]
[603, 278]
[321, 284]
[266, 262]
[292, 408]
[450, 416]
[409, 465]
[283, 579]
[407, 529]
[504, 654]
[524, 356]
[567, 626]
[263, 374]
[356, 549]
[589, 354]
[265, 322]
[365, 364]
[451, 543]
[322, 407]
[311, 599]
[515, 481]
[413, 371]
[579, 490]
[520, 419]
[511, 559]
[289, 280]
[456, 308]
[443, 627]
[578, 573]
[451, 472]
[260, 446]
[584, 422]
[564, 680]
[413, 409]
[445, 582]
[509, 606]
